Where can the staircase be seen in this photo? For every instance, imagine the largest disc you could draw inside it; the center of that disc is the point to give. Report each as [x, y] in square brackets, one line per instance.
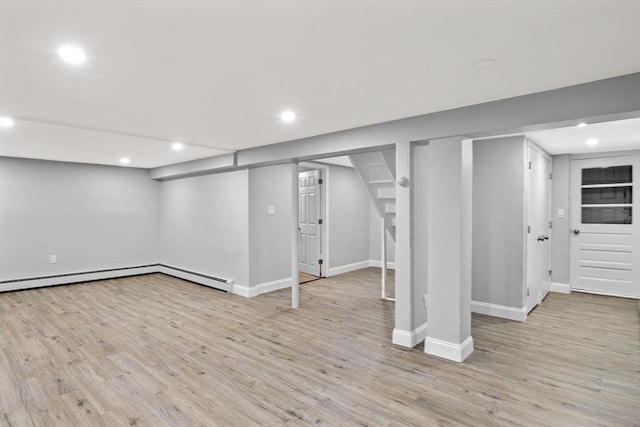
[378, 172]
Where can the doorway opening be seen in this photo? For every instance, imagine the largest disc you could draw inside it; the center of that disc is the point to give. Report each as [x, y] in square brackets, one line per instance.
[339, 223]
[311, 222]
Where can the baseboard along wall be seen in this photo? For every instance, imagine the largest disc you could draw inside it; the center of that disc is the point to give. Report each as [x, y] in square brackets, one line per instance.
[502, 311]
[75, 277]
[114, 273]
[263, 288]
[563, 288]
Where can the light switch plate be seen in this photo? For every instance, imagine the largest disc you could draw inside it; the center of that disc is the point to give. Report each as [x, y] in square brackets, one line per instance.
[560, 213]
[271, 210]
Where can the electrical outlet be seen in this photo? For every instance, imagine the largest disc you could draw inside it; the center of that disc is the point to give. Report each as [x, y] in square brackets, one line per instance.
[53, 259]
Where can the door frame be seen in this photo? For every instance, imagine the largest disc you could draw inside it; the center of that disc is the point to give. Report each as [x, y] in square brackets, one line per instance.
[324, 210]
[572, 209]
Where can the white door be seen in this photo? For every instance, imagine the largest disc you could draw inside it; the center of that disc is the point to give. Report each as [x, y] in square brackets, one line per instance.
[534, 231]
[538, 226]
[606, 223]
[309, 213]
[545, 226]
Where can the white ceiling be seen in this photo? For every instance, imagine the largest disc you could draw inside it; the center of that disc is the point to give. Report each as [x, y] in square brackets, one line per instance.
[611, 136]
[218, 73]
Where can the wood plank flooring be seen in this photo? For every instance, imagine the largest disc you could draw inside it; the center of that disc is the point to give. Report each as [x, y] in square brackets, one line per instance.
[158, 351]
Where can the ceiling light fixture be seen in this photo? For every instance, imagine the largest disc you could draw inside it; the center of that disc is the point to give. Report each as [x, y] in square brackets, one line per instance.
[287, 116]
[72, 54]
[125, 160]
[582, 125]
[485, 63]
[177, 146]
[591, 141]
[6, 122]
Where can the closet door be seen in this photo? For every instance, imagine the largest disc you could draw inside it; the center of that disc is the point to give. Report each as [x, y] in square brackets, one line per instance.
[544, 247]
[534, 230]
[538, 226]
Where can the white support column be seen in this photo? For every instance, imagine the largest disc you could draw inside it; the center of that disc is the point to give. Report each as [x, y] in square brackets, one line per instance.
[295, 238]
[449, 248]
[403, 333]
[383, 257]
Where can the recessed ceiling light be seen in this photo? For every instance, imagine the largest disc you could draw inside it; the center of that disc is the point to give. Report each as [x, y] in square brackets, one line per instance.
[72, 54]
[485, 63]
[591, 141]
[6, 122]
[125, 160]
[287, 116]
[177, 146]
[582, 125]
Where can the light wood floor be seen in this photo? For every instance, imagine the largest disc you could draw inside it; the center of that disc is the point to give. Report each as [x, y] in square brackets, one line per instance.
[157, 351]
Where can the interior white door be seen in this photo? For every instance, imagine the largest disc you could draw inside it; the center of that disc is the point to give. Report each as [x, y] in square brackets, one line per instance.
[544, 246]
[534, 231]
[309, 213]
[605, 220]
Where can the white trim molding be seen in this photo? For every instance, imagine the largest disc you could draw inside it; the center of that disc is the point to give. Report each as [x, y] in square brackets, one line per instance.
[71, 278]
[562, 288]
[378, 264]
[449, 350]
[410, 339]
[201, 279]
[334, 271]
[496, 310]
[262, 288]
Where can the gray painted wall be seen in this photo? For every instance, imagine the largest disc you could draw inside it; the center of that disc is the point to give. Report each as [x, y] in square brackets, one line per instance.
[561, 226]
[375, 240]
[92, 217]
[270, 235]
[349, 204]
[498, 221]
[205, 225]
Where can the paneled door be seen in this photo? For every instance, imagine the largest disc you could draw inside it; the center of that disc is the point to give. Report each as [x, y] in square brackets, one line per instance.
[545, 226]
[309, 213]
[605, 218]
[538, 226]
[534, 231]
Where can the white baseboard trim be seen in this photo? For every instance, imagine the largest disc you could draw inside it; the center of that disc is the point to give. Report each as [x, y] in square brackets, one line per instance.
[262, 288]
[563, 288]
[502, 311]
[376, 263]
[410, 338]
[334, 271]
[243, 291]
[71, 278]
[201, 279]
[449, 350]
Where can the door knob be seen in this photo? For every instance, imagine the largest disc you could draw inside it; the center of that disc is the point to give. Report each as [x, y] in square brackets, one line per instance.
[546, 237]
[576, 231]
[540, 238]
